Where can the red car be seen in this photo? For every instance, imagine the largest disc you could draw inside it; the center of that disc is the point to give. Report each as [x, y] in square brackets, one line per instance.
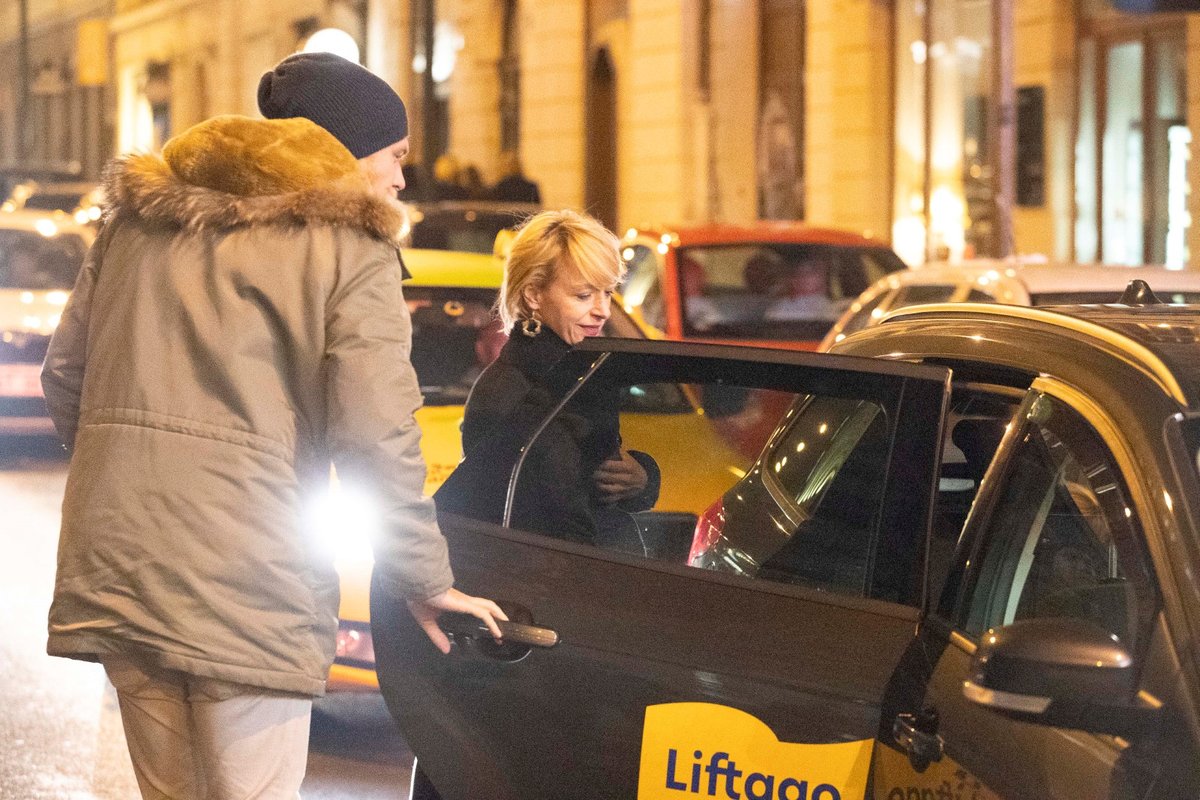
[779, 284]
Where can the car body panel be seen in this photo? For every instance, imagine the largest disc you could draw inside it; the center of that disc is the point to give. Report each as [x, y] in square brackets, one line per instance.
[1117, 385]
[636, 633]
[1013, 283]
[662, 634]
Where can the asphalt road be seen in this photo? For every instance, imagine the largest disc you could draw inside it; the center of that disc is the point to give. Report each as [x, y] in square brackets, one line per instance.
[60, 731]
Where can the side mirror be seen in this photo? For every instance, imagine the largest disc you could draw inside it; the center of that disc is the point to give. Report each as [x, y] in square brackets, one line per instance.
[1063, 672]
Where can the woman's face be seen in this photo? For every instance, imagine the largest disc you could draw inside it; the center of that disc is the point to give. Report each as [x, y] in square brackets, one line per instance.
[571, 307]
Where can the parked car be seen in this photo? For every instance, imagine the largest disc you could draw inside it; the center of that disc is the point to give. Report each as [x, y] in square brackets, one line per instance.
[779, 284]
[964, 565]
[40, 256]
[455, 335]
[1015, 283]
[469, 226]
[82, 200]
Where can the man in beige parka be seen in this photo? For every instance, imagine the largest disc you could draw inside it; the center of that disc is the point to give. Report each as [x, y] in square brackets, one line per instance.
[238, 326]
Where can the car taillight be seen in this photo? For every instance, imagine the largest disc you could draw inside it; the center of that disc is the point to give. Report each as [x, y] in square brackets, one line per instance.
[354, 645]
[708, 530]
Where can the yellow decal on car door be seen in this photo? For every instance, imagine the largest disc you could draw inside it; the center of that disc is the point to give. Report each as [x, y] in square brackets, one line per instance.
[708, 750]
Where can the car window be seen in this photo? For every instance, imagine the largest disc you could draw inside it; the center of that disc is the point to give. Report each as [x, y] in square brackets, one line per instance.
[827, 476]
[455, 335]
[641, 285]
[977, 422]
[30, 260]
[746, 473]
[870, 313]
[1063, 540]
[466, 231]
[771, 291]
[1085, 298]
[53, 201]
[976, 296]
[915, 294]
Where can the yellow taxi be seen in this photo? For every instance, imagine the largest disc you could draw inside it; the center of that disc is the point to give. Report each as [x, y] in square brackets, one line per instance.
[455, 335]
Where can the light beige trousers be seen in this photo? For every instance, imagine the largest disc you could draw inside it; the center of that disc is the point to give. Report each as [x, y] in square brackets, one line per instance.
[195, 738]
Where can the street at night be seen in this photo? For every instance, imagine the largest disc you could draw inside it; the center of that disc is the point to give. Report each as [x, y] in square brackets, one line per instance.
[61, 729]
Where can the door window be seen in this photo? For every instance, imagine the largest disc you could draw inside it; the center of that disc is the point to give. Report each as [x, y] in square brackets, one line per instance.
[1063, 540]
[747, 473]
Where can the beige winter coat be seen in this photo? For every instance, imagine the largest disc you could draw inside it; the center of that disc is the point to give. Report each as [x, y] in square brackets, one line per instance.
[238, 325]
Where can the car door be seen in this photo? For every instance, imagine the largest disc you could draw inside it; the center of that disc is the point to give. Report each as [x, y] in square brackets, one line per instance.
[1054, 536]
[637, 676]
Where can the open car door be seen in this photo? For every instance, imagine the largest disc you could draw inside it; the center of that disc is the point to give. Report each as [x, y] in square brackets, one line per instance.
[627, 672]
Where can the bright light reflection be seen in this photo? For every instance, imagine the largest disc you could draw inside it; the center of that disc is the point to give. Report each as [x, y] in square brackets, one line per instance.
[57, 297]
[46, 228]
[333, 40]
[343, 521]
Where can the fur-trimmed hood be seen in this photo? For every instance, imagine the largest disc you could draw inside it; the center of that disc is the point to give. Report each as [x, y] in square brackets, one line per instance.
[233, 171]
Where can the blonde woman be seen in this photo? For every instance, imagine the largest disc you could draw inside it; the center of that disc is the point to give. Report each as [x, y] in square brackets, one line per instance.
[578, 483]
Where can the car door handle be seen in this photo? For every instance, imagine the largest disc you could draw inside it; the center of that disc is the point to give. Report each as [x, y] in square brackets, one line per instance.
[917, 736]
[469, 627]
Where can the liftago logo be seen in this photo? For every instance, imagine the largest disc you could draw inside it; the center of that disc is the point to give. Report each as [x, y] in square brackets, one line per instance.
[706, 750]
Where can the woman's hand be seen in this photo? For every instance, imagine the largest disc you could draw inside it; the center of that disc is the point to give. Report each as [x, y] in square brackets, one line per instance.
[426, 613]
[620, 478]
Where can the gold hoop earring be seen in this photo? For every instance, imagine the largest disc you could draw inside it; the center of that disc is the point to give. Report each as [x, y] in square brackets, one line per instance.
[531, 326]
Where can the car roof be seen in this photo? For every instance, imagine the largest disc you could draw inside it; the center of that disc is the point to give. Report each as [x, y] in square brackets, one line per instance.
[1164, 340]
[453, 268]
[1049, 278]
[761, 231]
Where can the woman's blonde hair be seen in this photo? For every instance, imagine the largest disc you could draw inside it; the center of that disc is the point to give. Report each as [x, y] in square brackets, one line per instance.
[547, 242]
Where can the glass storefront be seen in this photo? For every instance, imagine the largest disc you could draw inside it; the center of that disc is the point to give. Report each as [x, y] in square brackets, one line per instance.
[1133, 145]
[944, 164]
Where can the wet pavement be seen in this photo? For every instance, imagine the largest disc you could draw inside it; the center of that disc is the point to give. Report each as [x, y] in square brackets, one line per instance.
[60, 731]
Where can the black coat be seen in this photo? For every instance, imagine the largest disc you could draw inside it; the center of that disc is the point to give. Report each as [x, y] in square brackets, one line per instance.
[556, 493]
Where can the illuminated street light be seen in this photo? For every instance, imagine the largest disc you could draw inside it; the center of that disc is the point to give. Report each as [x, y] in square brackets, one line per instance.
[333, 40]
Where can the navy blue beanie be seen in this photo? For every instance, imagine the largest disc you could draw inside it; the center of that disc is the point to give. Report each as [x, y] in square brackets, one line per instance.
[351, 102]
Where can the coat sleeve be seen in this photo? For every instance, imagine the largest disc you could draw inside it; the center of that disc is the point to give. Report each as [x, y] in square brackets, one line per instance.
[372, 396]
[63, 369]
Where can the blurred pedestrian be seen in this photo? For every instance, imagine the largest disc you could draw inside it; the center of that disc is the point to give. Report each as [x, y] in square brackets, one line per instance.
[446, 179]
[238, 325]
[472, 182]
[513, 186]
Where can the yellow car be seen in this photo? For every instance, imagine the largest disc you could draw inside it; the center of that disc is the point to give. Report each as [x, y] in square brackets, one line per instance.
[455, 336]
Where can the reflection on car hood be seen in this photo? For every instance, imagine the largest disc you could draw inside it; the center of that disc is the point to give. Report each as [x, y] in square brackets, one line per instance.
[31, 311]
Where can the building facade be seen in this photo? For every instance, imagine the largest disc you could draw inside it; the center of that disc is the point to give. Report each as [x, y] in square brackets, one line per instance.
[882, 116]
[62, 116]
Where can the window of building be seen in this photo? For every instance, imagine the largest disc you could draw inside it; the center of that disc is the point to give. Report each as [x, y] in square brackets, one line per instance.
[944, 204]
[1131, 182]
[781, 109]
[510, 78]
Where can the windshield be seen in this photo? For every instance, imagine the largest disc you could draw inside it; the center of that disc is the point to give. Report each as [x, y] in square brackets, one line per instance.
[456, 335]
[29, 260]
[774, 291]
